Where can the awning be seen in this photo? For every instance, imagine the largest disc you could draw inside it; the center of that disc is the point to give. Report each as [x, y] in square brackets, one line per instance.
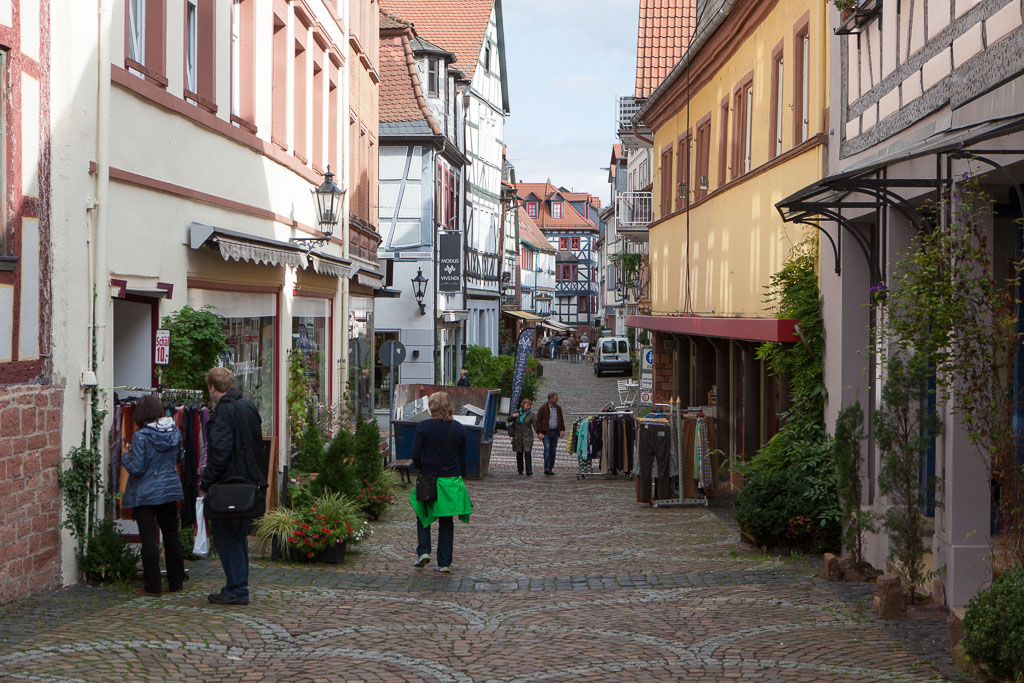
[555, 325]
[368, 278]
[240, 246]
[523, 315]
[751, 329]
[332, 266]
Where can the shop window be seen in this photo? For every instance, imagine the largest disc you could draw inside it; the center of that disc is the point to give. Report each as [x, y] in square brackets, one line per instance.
[249, 324]
[311, 321]
[383, 376]
[361, 353]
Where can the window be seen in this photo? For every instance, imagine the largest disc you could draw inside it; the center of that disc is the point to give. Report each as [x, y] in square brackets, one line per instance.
[311, 322]
[683, 173]
[574, 243]
[563, 243]
[532, 209]
[191, 45]
[526, 259]
[433, 76]
[567, 272]
[333, 124]
[318, 109]
[242, 60]
[583, 304]
[723, 144]
[279, 80]
[299, 97]
[487, 58]
[801, 83]
[593, 304]
[145, 27]
[775, 141]
[666, 181]
[703, 157]
[556, 210]
[742, 112]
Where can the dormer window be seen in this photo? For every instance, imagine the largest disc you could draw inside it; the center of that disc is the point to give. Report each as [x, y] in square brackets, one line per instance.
[487, 59]
[532, 209]
[556, 210]
[433, 76]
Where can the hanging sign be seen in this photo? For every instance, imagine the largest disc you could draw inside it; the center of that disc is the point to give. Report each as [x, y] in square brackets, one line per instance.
[449, 262]
[162, 347]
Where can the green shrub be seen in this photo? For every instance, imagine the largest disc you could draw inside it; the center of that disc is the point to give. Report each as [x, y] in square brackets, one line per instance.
[197, 341]
[107, 558]
[310, 455]
[783, 508]
[366, 445]
[337, 468]
[487, 371]
[994, 626]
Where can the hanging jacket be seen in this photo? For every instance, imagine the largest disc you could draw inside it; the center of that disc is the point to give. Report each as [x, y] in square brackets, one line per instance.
[152, 465]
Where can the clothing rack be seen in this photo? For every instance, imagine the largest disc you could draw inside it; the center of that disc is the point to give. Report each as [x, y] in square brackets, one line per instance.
[583, 463]
[675, 415]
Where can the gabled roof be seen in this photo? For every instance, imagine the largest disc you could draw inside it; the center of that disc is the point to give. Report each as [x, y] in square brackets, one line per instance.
[571, 218]
[403, 109]
[456, 25]
[530, 234]
[391, 21]
[663, 33]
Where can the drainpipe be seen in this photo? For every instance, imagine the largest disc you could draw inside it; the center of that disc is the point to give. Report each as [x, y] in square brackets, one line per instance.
[98, 260]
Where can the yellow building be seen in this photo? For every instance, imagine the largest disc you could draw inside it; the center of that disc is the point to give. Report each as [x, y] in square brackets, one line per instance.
[738, 124]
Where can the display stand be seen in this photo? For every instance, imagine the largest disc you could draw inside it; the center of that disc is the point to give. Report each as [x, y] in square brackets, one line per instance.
[584, 463]
[685, 424]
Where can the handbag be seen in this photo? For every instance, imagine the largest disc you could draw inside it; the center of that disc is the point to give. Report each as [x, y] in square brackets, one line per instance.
[426, 484]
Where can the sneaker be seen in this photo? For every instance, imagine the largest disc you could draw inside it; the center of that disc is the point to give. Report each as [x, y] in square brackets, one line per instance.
[445, 570]
[422, 562]
[223, 598]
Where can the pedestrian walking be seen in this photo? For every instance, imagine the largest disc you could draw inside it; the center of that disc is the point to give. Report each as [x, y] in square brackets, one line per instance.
[153, 491]
[522, 436]
[439, 450]
[233, 433]
[463, 378]
[550, 424]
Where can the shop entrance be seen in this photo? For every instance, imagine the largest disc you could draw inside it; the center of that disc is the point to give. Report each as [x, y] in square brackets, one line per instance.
[135, 319]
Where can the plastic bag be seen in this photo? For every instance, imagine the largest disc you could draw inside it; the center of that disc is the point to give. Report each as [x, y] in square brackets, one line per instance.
[202, 542]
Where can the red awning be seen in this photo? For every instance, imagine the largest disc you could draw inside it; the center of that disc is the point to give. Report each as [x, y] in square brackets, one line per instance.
[752, 329]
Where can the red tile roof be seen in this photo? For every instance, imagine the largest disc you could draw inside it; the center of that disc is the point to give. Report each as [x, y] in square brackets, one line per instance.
[401, 97]
[571, 218]
[456, 25]
[530, 233]
[663, 32]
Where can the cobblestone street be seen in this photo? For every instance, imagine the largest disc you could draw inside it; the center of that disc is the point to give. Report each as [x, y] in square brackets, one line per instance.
[553, 579]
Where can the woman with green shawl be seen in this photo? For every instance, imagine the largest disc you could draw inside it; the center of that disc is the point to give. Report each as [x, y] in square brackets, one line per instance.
[439, 448]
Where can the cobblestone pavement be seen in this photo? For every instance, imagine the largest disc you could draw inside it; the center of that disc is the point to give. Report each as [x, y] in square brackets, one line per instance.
[553, 579]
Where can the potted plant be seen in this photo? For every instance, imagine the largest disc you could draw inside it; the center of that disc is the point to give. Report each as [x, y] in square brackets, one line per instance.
[318, 532]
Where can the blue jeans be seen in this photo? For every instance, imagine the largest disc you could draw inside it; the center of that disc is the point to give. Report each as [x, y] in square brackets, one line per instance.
[231, 538]
[550, 448]
[445, 540]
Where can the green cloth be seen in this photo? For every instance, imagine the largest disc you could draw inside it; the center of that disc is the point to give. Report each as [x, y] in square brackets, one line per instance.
[452, 501]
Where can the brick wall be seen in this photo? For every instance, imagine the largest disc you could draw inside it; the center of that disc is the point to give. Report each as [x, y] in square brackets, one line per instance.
[664, 367]
[30, 423]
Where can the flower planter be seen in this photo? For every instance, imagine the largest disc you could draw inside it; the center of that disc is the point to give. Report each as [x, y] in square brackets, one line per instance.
[282, 551]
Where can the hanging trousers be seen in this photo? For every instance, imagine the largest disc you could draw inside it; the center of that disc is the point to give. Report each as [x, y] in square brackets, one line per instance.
[654, 450]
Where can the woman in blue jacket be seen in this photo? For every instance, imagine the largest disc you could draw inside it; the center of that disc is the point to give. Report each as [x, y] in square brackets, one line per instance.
[153, 492]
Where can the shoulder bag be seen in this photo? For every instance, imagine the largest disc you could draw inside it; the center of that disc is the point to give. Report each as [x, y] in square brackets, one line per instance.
[426, 484]
[237, 497]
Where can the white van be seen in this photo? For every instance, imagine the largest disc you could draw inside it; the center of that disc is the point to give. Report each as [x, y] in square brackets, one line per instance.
[611, 354]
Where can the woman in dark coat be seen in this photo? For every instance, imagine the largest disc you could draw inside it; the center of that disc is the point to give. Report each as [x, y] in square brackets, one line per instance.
[439, 449]
[522, 435]
[153, 491]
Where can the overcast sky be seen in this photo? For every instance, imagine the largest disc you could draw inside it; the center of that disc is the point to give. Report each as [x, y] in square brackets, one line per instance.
[567, 61]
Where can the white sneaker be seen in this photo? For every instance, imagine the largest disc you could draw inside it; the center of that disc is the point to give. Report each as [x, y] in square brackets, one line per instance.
[422, 562]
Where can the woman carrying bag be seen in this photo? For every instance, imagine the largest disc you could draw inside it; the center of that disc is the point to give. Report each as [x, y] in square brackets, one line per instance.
[522, 436]
[439, 453]
[153, 492]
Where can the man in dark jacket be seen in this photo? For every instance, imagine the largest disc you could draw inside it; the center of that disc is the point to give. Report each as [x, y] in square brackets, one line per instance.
[235, 422]
[463, 378]
[550, 425]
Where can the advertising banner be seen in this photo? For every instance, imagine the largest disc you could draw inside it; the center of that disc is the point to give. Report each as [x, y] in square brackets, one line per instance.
[449, 262]
[519, 369]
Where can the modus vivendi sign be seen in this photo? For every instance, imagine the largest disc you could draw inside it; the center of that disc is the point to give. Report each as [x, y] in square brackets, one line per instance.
[449, 262]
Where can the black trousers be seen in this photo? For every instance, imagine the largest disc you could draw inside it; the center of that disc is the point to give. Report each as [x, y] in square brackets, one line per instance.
[527, 457]
[654, 450]
[165, 516]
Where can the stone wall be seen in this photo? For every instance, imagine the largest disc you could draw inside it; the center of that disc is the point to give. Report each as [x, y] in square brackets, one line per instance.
[30, 423]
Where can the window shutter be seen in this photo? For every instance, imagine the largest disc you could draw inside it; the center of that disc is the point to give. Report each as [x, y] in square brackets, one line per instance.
[207, 49]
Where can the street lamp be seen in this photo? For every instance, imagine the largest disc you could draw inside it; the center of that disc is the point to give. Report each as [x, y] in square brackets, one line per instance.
[419, 289]
[328, 199]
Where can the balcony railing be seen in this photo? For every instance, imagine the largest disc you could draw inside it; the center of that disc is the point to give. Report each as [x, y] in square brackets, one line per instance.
[627, 108]
[634, 209]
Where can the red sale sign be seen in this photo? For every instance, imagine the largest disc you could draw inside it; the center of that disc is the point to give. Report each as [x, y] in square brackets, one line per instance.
[162, 351]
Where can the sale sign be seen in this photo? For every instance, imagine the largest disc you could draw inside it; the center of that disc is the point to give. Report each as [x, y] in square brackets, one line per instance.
[162, 352]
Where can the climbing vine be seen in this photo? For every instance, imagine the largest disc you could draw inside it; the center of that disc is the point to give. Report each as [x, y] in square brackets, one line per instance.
[953, 311]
